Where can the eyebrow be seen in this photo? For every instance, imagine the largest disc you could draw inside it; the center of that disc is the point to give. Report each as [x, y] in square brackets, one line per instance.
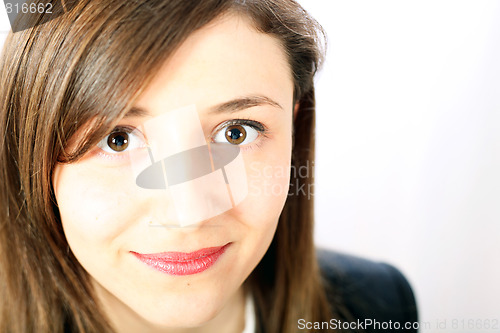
[136, 112]
[243, 103]
[234, 105]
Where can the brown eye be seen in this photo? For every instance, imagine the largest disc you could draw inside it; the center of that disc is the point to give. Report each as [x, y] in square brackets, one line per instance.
[118, 141]
[236, 134]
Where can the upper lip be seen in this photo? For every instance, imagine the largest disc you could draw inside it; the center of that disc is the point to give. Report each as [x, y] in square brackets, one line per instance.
[181, 256]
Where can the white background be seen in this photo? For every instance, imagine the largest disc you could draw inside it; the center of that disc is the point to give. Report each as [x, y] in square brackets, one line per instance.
[408, 146]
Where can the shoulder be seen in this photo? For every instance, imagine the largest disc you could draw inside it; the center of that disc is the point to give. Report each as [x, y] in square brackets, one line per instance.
[368, 290]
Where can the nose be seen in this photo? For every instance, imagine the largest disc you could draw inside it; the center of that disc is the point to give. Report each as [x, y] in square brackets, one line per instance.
[195, 183]
[158, 208]
[192, 179]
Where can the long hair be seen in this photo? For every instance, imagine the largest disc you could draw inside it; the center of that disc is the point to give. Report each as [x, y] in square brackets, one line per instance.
[91, 63]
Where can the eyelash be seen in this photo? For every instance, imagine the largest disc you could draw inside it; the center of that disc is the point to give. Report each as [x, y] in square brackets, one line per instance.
[258, 126]
[121, 128]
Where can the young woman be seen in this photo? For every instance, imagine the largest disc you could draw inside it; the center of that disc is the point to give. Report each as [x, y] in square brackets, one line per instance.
[98, 234]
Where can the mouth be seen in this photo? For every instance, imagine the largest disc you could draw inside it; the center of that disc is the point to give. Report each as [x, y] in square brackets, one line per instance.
[181, 263]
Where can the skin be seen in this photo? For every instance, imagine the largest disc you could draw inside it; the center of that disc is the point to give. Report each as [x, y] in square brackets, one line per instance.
[105, 215]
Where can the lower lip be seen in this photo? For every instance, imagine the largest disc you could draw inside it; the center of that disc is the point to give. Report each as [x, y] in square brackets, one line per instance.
[179, 263]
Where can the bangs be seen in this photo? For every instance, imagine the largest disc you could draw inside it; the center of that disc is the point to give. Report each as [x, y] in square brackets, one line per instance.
[85, 137]
[112, 63]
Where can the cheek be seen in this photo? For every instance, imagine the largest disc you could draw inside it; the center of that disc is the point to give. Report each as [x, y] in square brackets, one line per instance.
[268, 175]
[94, 208]
[268, 187]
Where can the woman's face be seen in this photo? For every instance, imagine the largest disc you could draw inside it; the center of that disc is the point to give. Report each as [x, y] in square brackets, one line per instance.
[108, 219]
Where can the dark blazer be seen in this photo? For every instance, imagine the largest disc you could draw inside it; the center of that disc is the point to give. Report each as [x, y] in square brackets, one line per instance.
[368, 291]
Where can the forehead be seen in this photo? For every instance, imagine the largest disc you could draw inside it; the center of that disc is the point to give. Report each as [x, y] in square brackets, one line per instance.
[226, 59]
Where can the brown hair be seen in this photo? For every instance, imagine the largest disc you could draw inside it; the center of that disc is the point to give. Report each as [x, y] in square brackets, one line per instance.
[91, 64]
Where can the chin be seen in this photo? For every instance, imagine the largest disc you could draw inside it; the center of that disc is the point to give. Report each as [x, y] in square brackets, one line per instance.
[175, 316]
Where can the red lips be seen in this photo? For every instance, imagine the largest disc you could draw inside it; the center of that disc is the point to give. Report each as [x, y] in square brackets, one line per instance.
[181, 263]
